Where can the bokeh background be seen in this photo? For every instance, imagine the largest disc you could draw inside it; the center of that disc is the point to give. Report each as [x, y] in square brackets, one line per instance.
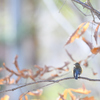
[37, 30]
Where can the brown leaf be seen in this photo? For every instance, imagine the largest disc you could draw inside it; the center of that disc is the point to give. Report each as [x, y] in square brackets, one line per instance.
[26, 98]
[95, 50]
[67, 69]
[21, 96]
[70, 93]
[88, 43]
[61, 97]
[81, 90]
[87, 98]
[16, 63]
[72, 96]
[94, 73]
[1, 81]
[36, 93]
[41, 69]
[84, 28]
[75, 34]
[85, 63]
[95, 33]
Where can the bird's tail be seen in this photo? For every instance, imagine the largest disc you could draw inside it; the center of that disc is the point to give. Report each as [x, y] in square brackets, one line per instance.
[76, 76]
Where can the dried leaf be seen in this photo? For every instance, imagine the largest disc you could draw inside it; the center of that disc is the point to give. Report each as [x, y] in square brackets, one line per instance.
[65, 93]
[67, 69]
[16, 63]
[38, 67]
[21, 96]
[87, 98]
[81, 90]
[84, 28]
[95, 33]
[1, 81]
[95, 50]
[94, 73]
[61, 97]
[26, 98]
[75, 34]
[36, 93]
[70, 93]
[72, 96]
[6, 97]
[88, 43]
[85, 63]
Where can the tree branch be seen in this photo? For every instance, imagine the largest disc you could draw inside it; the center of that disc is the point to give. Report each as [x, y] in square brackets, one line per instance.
[52, 81]
[96, 12]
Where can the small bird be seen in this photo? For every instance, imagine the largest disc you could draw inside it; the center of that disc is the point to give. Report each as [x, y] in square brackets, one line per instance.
[77, 70]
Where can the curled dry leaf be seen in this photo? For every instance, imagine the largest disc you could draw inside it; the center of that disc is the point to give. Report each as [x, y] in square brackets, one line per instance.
[95, 50]
[26, 98]
[85, 63]
[61, 97]
[81, 90]
[16, 63]
[95, 33]
[88, 43]
[36, 93]
[85, 27]
[64, 95]
[75, 35]
[94, 73]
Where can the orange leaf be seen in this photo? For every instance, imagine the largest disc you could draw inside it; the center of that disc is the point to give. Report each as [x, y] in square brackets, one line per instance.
[65, 93]
[36, 93]
[75, 34]
[88, 98]
[21, 96]
[94, 73]
[72, 96]
[87, 42]
[6, 97]
[26, 98]
[1, 81]
[95, 50]
[95, 33]
[84, 28]
[85, 63]
[61, 97]
[81, 90]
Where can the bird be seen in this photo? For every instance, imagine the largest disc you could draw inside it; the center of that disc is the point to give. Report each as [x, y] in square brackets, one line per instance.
[77, 70]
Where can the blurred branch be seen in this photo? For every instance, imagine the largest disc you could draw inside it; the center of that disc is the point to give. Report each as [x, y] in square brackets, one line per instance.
[52, 81]
[89, 6]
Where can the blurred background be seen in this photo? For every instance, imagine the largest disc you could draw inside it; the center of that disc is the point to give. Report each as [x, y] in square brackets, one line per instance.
[37, 30]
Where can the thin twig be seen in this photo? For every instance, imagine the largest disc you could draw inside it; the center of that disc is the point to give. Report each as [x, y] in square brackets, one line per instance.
[96, 12]
[62, 6]
[79, 9]
[53, 81]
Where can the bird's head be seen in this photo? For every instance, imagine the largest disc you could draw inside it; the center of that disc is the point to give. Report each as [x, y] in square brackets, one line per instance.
[77, 64]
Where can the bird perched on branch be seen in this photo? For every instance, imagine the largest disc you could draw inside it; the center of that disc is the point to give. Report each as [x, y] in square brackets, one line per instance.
[77, 70]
